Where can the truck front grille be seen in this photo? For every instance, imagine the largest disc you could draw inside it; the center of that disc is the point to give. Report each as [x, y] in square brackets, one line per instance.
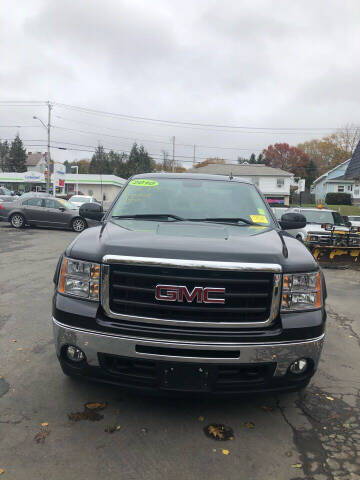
[248, 295]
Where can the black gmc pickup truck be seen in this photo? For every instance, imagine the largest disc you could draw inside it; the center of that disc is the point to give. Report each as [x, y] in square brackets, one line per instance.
[189, 284]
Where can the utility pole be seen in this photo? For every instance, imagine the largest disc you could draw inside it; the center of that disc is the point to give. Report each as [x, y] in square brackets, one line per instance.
[194, 156]
[48, 127]
[173, 154]
[48, 153]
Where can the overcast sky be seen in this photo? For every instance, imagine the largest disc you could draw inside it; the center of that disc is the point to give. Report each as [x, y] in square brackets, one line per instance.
[274, 64]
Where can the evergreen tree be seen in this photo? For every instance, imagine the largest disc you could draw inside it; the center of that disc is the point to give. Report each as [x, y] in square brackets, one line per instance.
[99, 162]
[17, 156]
[139, 161]
[311, 174]
[4, 156]
[260, 158]
[252, 158]
[118, 164]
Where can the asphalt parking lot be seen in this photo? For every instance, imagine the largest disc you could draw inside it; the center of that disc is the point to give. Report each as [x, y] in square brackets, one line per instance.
[314, 435]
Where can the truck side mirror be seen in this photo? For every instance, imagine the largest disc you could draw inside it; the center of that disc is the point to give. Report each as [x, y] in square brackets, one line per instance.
[292, 221]
[92, 211]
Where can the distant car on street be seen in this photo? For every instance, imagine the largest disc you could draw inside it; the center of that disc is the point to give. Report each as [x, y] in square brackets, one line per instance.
[36, 194]
[355, 220]
[79, 200]
[39, 210]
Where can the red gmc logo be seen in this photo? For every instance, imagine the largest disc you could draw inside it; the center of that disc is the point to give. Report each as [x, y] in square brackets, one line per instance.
[177, 293]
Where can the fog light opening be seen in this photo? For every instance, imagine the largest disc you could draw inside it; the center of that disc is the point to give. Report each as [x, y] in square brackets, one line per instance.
[299, 366]
[74, 354]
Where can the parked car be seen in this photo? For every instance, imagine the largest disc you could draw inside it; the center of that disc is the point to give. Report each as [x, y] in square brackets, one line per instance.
[79, 200]
[355, 220]
[36, 194]
[42, 211]
[189, 285]
[6, 191]
[315, 218]
[7, 198]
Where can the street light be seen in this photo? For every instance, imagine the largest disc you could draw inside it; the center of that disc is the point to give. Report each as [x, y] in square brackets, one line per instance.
[77, 178]
[48, 126]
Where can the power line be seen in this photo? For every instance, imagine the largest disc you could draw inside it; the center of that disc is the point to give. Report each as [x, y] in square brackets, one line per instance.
[178, 122]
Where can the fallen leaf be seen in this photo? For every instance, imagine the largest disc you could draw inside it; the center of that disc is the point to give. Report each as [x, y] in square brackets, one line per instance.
[219, 432]
[45, 424]
[329, 398]
[201, 419]
[112, 429]
[1, 377]
[288, 454]
[324, 428]
[351, 336]
[95, 405]
[40, 436]
[14, 341]
[20, 349]
[118, 412]
[297, 465]
[266, 408]
[249, 425]
[2, 471]
[27, 361]
[225, 452]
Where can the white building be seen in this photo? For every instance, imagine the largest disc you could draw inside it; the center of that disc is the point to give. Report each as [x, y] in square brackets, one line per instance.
[274, 183]
[102, 187]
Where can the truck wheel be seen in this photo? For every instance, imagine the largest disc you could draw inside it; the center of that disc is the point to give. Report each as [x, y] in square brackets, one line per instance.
[17, 220]
[78, 224]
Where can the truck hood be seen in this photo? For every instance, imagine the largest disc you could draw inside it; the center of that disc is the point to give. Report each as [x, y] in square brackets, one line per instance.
[192, 241]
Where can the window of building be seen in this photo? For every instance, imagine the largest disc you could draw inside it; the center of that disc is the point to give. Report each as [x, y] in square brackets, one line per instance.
[341, 188]
[349, 187]
[280, 182]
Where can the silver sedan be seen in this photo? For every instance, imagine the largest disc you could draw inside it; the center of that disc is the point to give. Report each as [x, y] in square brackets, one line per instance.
[44, 212]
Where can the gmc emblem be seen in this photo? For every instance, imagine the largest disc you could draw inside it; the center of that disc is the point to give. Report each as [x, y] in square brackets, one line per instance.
[177, 293]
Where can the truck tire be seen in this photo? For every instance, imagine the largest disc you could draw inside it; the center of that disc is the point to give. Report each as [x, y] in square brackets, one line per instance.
[17, 220]
[78, 224]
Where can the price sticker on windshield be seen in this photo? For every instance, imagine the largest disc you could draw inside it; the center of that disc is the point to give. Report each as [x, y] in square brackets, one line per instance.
[143, 182]
[259, 219]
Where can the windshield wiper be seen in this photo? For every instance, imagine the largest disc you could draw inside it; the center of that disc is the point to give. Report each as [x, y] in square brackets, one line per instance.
[149, 216]
[224, 220]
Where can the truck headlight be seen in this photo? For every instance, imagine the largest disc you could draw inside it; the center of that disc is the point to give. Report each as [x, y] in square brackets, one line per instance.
[301, 291]
[79, 279]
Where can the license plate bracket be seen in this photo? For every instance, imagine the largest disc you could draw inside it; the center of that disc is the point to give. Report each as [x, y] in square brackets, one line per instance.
[185, 377]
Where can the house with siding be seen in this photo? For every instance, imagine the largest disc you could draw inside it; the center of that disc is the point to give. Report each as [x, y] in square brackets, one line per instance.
[274, 183]
[344, 178]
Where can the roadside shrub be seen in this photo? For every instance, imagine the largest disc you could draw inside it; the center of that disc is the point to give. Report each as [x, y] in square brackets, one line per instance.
[338, 198]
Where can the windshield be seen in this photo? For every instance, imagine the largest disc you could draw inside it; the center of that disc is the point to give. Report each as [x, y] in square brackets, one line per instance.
[323, 216]
[80, 199]
[192, 199]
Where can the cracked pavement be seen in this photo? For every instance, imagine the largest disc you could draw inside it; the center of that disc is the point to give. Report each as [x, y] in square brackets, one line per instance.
[314, 435]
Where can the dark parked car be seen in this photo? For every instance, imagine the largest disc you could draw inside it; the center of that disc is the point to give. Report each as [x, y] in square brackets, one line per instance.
[190, 285]
[42, 211]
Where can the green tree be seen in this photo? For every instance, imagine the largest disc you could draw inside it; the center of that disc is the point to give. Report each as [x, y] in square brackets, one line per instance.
[100, 162]
[311, 174]
[260, 158]
[139, 161]
[252, 158]
[4, 155]
[118, 164]
[17, 156]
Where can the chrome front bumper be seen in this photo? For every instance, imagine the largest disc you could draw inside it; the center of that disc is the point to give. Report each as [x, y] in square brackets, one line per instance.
[92, 343]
